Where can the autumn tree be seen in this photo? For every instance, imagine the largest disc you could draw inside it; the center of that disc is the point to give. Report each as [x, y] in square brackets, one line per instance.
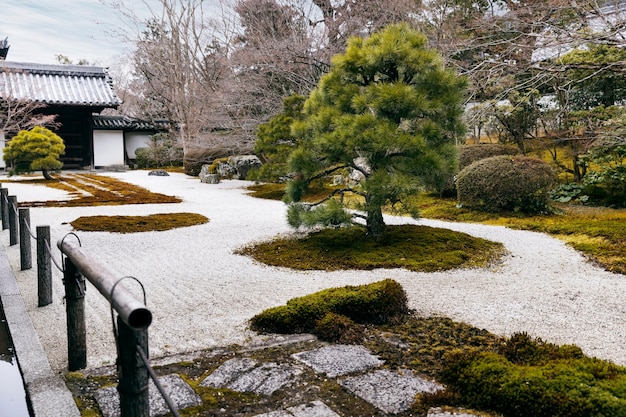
[388, 110]
[37, 149]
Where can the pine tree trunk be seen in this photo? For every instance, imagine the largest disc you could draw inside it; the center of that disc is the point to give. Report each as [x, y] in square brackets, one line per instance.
[375, 224]
[46, 174]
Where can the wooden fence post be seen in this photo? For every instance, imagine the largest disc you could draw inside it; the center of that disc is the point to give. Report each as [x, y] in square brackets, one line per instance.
[4, 207]
[75, 311]
[13, 227]
[44, 267]
[26, 258]
[133, 375]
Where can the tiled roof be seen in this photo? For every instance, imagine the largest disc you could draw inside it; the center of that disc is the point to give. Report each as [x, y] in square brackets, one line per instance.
[126, 123]
[57, 84]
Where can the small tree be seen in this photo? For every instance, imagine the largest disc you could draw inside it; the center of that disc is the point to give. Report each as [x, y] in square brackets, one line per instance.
[34, 150]
[388, 110]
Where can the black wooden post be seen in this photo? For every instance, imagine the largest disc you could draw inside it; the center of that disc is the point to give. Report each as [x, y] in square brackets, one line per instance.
[75, 311]
[4, 207]
[133, 375]
[13, 228]
[44, 267]
[26, 258]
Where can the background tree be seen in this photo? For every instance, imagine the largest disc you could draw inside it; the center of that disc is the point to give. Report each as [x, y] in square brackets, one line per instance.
[276, 140]
[34, 150]
[387, 109]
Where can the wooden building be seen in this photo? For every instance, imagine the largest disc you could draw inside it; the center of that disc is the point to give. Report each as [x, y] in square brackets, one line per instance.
[75, 93]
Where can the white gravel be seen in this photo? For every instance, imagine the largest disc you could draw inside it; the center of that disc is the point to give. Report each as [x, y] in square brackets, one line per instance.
[201, 294]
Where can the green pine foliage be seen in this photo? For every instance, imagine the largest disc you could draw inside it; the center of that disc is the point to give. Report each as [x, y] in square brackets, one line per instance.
[37, 149]
[387, 109]
[275, 141]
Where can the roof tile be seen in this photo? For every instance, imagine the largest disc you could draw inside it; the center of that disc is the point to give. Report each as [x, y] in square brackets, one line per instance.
[58, 84]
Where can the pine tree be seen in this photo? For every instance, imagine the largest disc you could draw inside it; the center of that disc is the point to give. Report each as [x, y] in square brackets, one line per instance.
[387, 109]
[34, 150]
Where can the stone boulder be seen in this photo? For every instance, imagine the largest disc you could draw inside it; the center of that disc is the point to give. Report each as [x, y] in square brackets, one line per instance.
[240, 165]
[207, 177]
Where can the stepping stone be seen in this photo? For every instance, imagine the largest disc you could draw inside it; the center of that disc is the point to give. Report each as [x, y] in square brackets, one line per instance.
[390, 392]
[439, 412]
[228, 372]
[181, 394]
[338, 360]
[246, 375]
[310, 409]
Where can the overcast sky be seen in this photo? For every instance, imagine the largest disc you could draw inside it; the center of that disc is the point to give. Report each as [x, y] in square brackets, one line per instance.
[38, 30]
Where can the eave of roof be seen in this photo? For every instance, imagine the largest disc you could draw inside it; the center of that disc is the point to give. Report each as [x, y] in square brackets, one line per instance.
[127, 123]
[76, 85]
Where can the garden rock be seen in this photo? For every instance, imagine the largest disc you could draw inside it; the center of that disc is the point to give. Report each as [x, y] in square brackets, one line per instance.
[238, 166]
[207, 177]
[159, 173]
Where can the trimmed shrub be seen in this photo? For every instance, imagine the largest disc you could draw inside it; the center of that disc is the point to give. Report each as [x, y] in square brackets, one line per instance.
[377, 303]
[162, 152]
[507, 183]
[469, 154]
[550, 382]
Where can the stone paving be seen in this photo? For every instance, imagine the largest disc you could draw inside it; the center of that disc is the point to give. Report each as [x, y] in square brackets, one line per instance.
[354, 368]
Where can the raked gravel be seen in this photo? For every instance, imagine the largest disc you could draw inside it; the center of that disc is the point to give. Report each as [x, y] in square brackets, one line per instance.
[202, 294]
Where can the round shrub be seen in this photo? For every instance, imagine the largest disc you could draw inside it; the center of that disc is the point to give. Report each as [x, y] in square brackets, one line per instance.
[506, 183]
[467, 154]
[472, 153]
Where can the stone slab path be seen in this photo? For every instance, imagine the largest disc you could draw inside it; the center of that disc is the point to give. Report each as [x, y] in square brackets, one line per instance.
[353, 367]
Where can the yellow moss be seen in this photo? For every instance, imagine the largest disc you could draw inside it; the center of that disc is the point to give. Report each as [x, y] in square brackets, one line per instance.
[134, 224]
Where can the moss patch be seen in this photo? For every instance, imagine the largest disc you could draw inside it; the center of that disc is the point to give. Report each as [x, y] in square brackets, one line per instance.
[133, 224]
[416, 248]
[96, 190]
[380, 302]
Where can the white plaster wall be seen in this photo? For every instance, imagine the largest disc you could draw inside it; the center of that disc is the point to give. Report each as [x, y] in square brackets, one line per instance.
[3, 164]
[134, 141]
[108, 148]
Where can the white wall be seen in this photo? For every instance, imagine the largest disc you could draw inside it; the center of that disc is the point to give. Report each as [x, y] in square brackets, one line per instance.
[134, 141]
[3, 165]
[108, 148]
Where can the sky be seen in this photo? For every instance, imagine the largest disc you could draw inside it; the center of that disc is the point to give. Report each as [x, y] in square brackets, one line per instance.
[38, 30]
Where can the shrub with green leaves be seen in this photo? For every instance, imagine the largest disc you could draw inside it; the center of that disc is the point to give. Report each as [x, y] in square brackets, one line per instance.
[469, 154]
[606, 185]
[163, 151]
[533, 378]
[377, 303]
[37, 149]
[507, 183]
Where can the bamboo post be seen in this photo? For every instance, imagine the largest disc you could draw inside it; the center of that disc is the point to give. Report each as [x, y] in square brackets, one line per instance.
[44, 267]
[26, 259]
[13, 232]
[4, 207]
[133, 375]
[75, 311]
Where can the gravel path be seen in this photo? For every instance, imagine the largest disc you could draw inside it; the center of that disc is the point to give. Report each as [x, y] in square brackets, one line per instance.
[201, 294]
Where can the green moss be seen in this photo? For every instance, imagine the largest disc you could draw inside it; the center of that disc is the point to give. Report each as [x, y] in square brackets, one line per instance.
[417, 248]
[134, 224]
[379, 302]
[548, 387]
